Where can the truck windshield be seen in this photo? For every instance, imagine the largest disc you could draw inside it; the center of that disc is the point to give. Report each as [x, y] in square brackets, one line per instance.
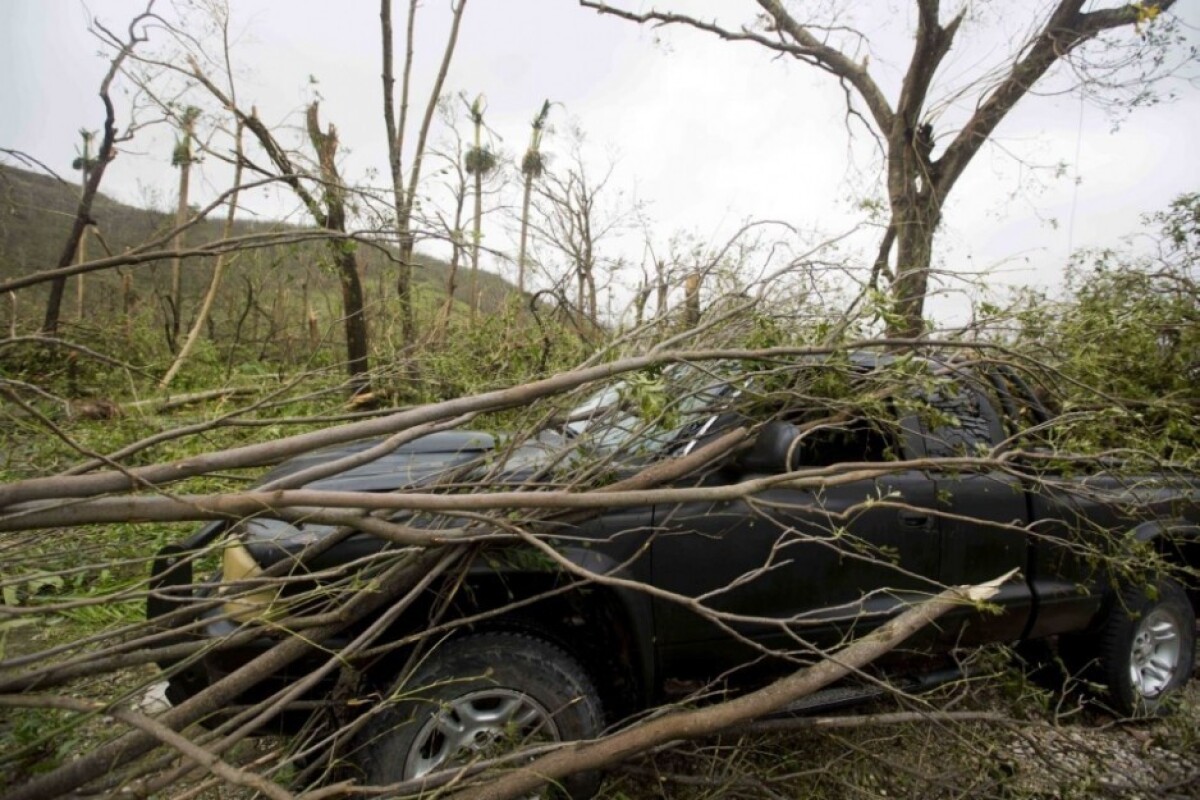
[654, 415]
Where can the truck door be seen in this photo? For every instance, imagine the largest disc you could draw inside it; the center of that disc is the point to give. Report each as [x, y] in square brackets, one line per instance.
[823, 564]
[984, 515]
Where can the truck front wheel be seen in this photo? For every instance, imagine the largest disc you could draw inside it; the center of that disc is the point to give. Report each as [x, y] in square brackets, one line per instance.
[477, 698]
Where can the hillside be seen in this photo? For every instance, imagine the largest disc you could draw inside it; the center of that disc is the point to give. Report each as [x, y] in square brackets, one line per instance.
[36, 212]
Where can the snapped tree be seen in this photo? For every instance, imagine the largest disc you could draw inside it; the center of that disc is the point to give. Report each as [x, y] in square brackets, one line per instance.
[328, 212]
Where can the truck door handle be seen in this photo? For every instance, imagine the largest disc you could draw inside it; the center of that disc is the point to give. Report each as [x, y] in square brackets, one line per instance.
[910, 520]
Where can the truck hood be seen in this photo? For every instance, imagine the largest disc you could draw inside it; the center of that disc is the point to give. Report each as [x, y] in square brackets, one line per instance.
[413, 465]
[409, 465]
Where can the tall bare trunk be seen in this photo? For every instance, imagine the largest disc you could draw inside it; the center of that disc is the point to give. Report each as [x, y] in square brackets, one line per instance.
[476, 236]
[218, 270]
[525, 204]
[79, 279]
[177, 242]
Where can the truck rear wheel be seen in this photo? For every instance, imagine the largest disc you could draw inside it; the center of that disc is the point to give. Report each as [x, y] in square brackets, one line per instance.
[1147, 647]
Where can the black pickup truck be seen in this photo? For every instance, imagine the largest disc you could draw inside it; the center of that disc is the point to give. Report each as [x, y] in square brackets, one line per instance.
[858, 488]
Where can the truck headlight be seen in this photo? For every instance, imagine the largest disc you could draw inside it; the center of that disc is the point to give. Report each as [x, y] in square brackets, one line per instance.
[238, 565]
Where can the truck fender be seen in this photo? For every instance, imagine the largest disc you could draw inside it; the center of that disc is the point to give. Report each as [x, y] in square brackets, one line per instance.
[1176, 530]
[1178, 541]
[631, 608]
[634, 605]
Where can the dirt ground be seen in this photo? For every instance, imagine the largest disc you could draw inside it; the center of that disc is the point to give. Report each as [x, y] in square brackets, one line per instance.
[1050, 745]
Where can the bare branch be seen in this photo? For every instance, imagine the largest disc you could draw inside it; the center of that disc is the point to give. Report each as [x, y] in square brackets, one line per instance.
[1064, 31]
[706, 721]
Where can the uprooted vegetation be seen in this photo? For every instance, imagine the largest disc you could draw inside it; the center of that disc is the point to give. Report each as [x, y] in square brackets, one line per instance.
[292, 510]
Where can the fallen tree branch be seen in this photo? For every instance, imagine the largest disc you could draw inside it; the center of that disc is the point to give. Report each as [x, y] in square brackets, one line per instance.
[151, 727]
[865, 720]
[161, 404]
[58, 487]
[236, 505]
[706, 721]
[113, 754]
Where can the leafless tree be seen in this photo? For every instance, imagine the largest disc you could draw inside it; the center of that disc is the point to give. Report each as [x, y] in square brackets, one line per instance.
[576, 214]
[404, 197]
[135, 35]
[329, 213]
[923, 163]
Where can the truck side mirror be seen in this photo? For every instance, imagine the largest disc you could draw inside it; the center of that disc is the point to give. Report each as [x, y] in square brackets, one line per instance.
[772, 451]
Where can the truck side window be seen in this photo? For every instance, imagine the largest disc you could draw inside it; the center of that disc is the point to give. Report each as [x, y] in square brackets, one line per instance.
[856, 440]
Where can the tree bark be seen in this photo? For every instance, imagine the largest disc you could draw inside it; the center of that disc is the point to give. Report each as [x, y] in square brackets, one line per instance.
[916, 224]
[691, 300]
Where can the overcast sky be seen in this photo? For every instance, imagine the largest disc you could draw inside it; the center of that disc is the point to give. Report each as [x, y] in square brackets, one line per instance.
[707, 134]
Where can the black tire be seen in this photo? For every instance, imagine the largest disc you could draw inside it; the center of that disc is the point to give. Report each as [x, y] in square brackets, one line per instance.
[492, 691]
[1146, 647]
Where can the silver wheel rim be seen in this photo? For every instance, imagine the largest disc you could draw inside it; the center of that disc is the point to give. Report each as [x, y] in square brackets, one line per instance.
[477, 725]
[1154, 657]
